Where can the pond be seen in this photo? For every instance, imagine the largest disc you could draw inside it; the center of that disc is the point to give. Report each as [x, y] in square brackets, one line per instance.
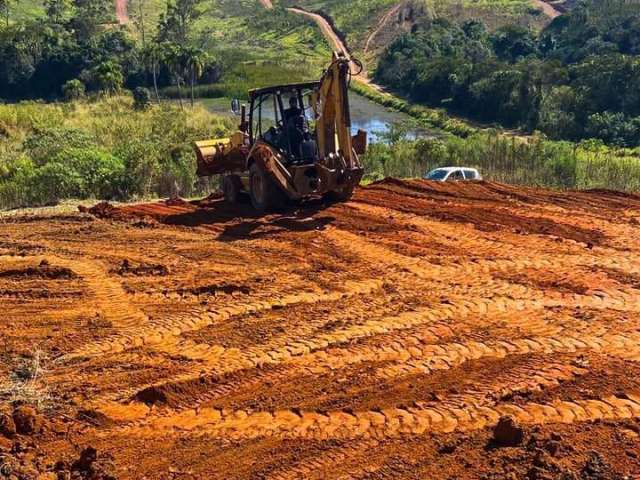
[366, 115]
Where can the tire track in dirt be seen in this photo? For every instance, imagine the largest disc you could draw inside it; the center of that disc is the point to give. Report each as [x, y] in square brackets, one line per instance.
[108, 296]
[529, 378]
[163, 331]
[424, 331]
[382, 424]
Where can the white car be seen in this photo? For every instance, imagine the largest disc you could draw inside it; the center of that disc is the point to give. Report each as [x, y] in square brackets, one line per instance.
[453, 174]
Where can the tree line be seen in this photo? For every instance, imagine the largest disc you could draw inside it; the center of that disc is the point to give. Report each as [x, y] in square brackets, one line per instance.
[578, 78]
[78, 47]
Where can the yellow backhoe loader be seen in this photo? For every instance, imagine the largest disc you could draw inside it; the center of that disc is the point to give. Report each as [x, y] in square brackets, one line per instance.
[296, 143]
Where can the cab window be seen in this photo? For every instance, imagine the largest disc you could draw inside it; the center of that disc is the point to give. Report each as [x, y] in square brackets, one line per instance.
[470, 175]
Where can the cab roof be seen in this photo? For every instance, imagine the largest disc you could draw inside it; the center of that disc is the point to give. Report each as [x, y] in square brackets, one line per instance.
[284, 88]
[452, 169]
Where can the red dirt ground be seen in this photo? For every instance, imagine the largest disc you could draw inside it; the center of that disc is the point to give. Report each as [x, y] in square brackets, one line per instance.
[379, 339]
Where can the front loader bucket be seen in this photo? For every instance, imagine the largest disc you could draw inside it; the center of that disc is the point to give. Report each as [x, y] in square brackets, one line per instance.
[218, 156]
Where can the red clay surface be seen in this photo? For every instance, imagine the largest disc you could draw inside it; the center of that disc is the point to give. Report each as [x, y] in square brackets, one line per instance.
[379, 339]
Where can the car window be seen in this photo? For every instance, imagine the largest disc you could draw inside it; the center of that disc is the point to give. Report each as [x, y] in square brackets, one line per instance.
[437, 175]
[456, 175]
[470, 174]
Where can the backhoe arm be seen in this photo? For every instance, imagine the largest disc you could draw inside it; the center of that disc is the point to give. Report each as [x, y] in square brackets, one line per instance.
[332, 111]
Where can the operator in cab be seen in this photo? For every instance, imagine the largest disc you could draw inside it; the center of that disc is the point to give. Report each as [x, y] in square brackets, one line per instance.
[294, 127]
[294, 111]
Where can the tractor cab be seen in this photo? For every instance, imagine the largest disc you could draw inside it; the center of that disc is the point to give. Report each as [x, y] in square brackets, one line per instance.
[283, 117]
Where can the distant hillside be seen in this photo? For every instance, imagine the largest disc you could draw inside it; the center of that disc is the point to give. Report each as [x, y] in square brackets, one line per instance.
[576, 79]
[371, 25]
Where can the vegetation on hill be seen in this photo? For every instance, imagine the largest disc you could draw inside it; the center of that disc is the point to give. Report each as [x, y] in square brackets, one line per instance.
[179, 43]
[357, 19]
[106, 149]
[579, 78]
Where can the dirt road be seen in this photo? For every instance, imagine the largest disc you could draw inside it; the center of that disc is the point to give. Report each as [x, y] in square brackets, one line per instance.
[548, 9]
[333, 39]
[393, 11]
[383, 338]
[121, 11]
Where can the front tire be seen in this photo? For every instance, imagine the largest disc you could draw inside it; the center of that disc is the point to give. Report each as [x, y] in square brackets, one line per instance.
[265, 194]
[231, 187]
[339, 196]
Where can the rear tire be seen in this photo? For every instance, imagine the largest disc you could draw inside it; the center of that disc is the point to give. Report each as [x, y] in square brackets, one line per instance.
[231, 187]
[265, 194]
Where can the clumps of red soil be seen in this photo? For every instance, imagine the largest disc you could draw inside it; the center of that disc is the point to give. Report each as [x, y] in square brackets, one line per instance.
[507, 433]
[170, 394]
[43, 271]
[28, 461]
[27, 420]
[127, 268]
[91, 466]
[223, 288]
[102, 210]
[7, 425]
[176, 202]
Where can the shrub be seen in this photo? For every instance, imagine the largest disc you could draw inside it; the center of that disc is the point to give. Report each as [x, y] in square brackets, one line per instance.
[44, 144]
[99, 174]
[141, 98]
[73, 90]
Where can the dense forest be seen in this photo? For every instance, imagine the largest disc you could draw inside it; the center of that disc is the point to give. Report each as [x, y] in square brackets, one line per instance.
[578, 78]
[78, 47]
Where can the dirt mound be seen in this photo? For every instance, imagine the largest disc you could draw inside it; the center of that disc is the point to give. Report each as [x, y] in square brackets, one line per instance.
[102, 210]
[128, 268]
[43, 271]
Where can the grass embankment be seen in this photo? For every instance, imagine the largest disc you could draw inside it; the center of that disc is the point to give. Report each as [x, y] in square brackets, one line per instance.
[104, 150]
[425, 116]
[534, 161]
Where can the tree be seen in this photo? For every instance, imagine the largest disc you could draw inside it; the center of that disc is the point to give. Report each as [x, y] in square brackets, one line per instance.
[57, 10]
[174, 59]
[5, 10]
[106, 77]
[139, 11]
[152, 58]
[177, 21]
[89, 15]
[195, 59]
[512, 43]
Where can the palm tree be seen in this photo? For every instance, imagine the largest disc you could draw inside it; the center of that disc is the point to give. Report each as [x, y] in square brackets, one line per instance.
[152, 55]
[195, 59]
[175, 60]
